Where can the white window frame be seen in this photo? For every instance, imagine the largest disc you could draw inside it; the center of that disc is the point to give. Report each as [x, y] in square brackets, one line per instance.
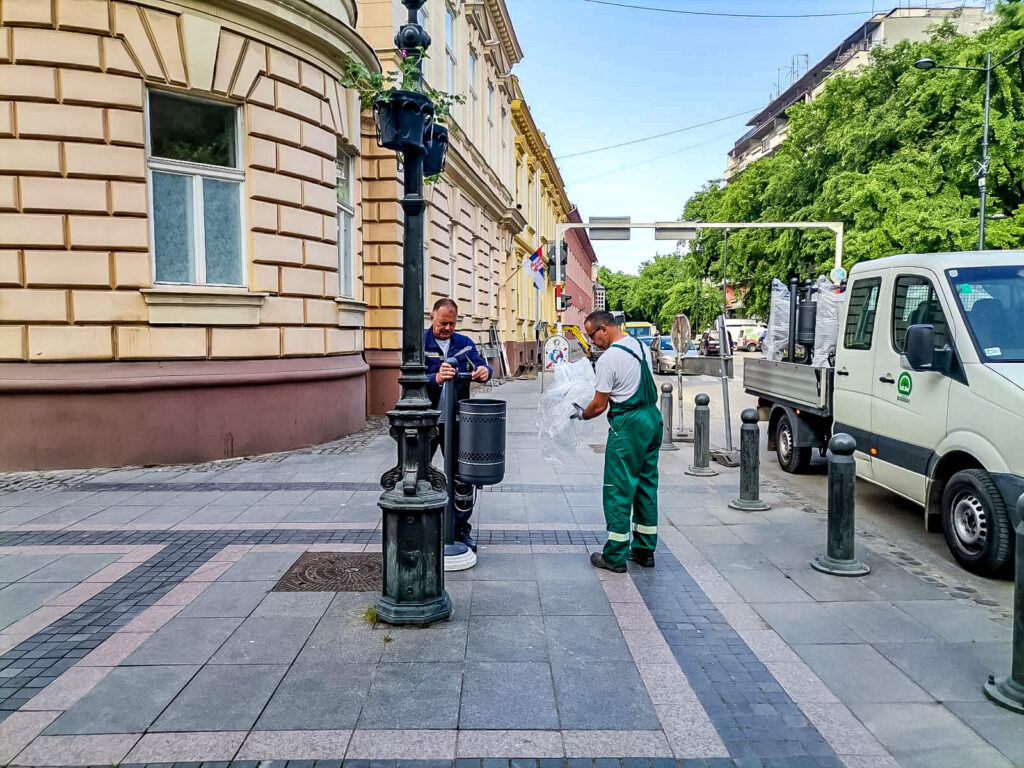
[197, 172]
[449, 48]
[453, 262]
[492, 139]
[346, 246]
[474, 302]
[474, 102]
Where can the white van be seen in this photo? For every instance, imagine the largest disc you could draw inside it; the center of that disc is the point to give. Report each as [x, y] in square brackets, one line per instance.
[929, 380]
[744, 332]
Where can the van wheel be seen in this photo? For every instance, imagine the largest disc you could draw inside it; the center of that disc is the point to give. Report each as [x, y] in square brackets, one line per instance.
[976, 524]
[792, 459]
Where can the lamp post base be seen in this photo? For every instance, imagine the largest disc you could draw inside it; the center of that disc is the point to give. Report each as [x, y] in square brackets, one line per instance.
[749, 505]
[458, 557]
[829, 565]
[391, 611]
[683, 436]
[1006, 692]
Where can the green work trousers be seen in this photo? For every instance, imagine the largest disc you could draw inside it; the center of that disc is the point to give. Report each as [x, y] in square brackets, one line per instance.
[631, 481]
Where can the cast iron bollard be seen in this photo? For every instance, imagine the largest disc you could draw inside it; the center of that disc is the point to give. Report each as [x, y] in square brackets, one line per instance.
[1009, 691]
[842, 474]
[750, 465]
[701, 466]
[666, 418]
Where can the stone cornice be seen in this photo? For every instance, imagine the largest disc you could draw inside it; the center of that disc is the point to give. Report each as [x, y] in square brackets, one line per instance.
[492, 15]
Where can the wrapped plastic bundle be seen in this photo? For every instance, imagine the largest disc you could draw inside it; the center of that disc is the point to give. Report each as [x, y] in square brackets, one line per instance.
[574, 383]
[826, 336]
[777, 337]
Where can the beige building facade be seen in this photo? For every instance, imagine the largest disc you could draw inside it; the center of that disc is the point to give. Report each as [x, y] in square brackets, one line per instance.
[768, 127]
[471, 215]
[180, 224]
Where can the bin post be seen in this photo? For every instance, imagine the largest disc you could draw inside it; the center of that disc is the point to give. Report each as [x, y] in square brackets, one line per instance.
[701, 466]
[842, 475]
[666, 418]
[1008, 691]
[750, 465]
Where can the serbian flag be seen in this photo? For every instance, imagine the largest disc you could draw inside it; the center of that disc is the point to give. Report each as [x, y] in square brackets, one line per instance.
[536, 266]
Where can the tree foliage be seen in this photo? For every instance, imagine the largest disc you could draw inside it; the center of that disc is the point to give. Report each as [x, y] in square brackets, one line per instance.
[889, 150]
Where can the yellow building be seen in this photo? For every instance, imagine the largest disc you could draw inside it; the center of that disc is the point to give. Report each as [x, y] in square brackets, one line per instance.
[179, 230]
[471, 214]
[528, 315]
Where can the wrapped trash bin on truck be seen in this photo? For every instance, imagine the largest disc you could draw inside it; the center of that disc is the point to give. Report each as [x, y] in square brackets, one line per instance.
[921, 361]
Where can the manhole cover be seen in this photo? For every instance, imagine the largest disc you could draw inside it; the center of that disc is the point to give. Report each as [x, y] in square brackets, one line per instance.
[334, 572]
[597, 448]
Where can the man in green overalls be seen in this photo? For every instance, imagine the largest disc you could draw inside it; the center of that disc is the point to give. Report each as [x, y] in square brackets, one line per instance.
[626, 381]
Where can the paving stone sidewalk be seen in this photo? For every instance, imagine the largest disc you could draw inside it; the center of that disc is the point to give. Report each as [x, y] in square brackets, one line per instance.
[138, 626]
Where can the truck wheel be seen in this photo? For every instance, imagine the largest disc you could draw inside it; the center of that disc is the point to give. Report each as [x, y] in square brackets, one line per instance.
[976, 524]
[792, 459]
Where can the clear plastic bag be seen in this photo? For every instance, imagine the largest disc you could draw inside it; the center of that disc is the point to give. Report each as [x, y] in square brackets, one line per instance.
[826, 322]
[777, 337]
[561, 435]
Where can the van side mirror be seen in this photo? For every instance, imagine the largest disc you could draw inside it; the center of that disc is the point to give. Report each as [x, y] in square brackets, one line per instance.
[919, 347]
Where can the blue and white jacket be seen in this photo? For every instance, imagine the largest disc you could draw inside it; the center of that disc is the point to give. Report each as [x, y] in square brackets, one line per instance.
[463, 350]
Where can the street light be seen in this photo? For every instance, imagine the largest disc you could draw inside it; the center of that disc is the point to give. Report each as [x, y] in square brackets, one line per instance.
[414, 495]
[980, 166]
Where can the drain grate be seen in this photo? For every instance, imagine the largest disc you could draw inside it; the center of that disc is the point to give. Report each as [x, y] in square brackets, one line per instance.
[334, 572]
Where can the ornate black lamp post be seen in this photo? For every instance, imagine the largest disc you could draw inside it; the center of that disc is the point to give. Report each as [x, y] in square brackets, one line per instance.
[413, 500]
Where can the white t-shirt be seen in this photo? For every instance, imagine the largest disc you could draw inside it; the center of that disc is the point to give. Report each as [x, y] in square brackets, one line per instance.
[618, 372]
[444, 344]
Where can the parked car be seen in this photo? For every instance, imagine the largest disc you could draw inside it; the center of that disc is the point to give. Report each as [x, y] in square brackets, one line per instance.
[709, 343]
[663, 354]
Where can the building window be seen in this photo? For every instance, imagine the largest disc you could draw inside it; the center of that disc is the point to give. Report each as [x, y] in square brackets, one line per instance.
[196, 182]
[346, 229]
[492, 139]
[453, 264]
[473, 102]
[474, 282]
[449, 47]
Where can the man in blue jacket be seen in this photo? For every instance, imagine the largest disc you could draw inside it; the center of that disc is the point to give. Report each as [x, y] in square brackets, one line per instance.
[440, 343]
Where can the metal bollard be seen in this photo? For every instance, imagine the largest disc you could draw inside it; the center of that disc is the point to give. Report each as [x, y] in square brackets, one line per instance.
[701, 466]
[1008, 692]
[842, 474]
[666, 418]
[750, 465]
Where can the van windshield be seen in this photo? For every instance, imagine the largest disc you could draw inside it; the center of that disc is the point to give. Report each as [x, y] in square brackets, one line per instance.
[992, 302]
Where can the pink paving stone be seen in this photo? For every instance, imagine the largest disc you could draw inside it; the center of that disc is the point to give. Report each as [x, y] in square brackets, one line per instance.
[616, 744]
[108, 749]
[30, 527]
[151, 619]
[622, 591]
[399, 745]
[535, 744]
[142, 553]
[184, 593]
[279, 548]
[335, 547]
[39, 619]
[199, 527]
[231, 553]
[75, 596]
[67, 689]
[209, 746]
[114, 649]
[295, 745]
[10, 640]
[634, 616]
[18, 730]
[208, 572]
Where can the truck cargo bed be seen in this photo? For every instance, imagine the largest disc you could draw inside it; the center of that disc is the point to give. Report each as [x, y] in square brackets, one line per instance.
[795, 384]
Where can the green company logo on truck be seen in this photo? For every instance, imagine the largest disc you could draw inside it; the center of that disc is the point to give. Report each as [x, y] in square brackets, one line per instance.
[904, 386]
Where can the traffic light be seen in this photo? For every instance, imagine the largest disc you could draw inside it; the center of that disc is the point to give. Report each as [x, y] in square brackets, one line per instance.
[563, 258]
[566, 300]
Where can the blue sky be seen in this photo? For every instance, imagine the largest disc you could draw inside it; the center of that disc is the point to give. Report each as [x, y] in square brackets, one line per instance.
[596, 75]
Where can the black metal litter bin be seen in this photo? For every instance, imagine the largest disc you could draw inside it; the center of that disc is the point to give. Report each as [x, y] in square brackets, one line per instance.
[481, 441]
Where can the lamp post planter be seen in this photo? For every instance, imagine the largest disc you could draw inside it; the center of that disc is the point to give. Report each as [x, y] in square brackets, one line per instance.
[435, 149]
[403, 120]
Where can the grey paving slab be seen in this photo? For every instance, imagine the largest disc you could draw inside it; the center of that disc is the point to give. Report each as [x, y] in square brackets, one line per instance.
[444, 641]
[881, 622]
[586, 638]
[508, 696]
[165, 515]
[956, 621]
[996, 725]
[19, 599]
[228, 599]
[127, 700]
[294, 604]
[929, 731]
[222, 698]
[806, 623]
[14, 567]
[507, 638]
[764, 585]
[583, 598]
[269, 640]
[503, 567]
[72, 568]
[624, 702]
[318, 696]
[118, 515]
[20, 515]
[950, 671]
[335, 642]
[825, 588]
[505, 598]
[184, 641]
[265, 513]
[413, 696]
[894, 583]
[214, 514]
[860, 673]
[559, 568]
